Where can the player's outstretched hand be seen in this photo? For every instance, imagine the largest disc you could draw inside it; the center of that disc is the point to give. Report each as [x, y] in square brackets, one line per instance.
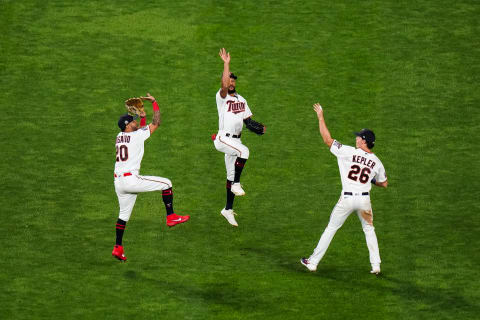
[149, 97]
[224, 55]
[318, 109]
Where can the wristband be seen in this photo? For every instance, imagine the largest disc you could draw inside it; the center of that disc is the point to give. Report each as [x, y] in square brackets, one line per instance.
[374, 181]
[155, 105]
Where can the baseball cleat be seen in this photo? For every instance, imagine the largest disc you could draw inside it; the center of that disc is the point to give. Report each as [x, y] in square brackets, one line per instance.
[375, 271]
[308, 265]
[237, 189]
[174, 219]
[230, 216]
[118, 253]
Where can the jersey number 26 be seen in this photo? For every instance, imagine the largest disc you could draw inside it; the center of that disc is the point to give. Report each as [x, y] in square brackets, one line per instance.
[355, 170]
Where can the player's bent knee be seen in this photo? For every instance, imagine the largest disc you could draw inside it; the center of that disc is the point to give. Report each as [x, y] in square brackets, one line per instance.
[245, 153]
[168, 183]
[368, 228]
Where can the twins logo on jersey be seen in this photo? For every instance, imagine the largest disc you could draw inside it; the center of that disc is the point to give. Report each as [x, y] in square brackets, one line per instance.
[235, 107]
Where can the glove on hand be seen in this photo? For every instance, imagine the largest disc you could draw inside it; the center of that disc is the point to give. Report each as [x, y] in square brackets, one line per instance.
[134, 106]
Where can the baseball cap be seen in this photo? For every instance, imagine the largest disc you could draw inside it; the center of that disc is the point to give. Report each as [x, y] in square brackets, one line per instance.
[368, 136]
[124, 120]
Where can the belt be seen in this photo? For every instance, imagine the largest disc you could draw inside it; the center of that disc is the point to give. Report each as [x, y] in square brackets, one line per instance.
[233, 135]
[126, 174]
[351, 193]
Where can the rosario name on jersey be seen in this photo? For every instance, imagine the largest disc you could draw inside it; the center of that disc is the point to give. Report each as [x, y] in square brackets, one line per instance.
[357, 167]
[130, 148]
[231, 112]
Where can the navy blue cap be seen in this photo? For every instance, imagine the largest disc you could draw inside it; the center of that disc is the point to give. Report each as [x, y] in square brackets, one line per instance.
[368, 136]
[124, 120]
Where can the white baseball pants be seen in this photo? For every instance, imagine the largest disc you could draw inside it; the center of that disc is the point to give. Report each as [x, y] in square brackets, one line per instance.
[127, 188]
[344, 207]
[233, 148]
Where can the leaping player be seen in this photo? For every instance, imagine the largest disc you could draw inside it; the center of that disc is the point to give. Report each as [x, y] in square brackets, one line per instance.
[129, 182]
[233, 112]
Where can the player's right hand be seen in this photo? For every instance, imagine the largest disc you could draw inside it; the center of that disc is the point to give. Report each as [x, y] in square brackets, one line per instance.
[224, 55]
[318, 109]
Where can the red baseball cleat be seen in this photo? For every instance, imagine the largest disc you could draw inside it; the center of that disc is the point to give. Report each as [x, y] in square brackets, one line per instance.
[118, 253]
[174, 219]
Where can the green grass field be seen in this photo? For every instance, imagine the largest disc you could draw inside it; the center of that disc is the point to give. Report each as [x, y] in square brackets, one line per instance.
[409, 70]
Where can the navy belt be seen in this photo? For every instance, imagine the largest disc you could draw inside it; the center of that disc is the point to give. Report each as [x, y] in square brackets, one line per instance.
[351, 194]
[233, 135]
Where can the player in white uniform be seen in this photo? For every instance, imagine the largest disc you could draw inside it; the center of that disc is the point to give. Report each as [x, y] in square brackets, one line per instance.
[358, 167]
[233, 112]
[129, 182]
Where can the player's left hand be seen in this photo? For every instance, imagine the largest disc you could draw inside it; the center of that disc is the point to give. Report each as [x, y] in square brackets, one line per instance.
[264, 129]
[142, 114]
[149, 97]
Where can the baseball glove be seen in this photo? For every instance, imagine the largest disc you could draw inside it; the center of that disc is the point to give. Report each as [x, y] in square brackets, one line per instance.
[254, 126]
[134, 106]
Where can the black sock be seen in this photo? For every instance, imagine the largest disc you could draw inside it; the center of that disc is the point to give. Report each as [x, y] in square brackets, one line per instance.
[120, 228]
[167, 196]
[239, 164]
[230, 196]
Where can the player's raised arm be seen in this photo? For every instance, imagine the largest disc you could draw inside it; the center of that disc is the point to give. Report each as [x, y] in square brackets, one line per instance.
[226, 72]
[143, 119]
[327, 138]
[156, 113]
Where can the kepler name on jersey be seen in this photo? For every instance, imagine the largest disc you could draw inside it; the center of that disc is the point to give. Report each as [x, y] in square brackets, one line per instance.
[363, 160]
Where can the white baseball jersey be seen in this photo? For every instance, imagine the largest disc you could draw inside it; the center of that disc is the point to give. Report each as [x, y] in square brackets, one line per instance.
[130, 148]
[357, 167]
[231, 112]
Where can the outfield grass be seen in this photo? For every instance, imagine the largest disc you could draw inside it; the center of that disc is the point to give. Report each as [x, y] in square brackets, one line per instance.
[409, 70]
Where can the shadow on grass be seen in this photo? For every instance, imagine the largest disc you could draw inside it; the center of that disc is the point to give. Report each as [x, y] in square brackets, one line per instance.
[221, 293]
[431, 298]
[438, 299]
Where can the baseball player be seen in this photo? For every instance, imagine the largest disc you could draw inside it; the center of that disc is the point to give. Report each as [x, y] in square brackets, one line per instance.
[127, 179]
[233, 112]
[359, 168]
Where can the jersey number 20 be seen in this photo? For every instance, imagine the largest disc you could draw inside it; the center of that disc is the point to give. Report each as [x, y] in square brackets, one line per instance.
[355, 170]
[122, 153]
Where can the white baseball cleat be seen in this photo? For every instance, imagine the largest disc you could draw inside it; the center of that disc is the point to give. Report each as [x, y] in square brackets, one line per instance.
[237, 189]
[308, 265]
[375, 270]
[230, 216]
